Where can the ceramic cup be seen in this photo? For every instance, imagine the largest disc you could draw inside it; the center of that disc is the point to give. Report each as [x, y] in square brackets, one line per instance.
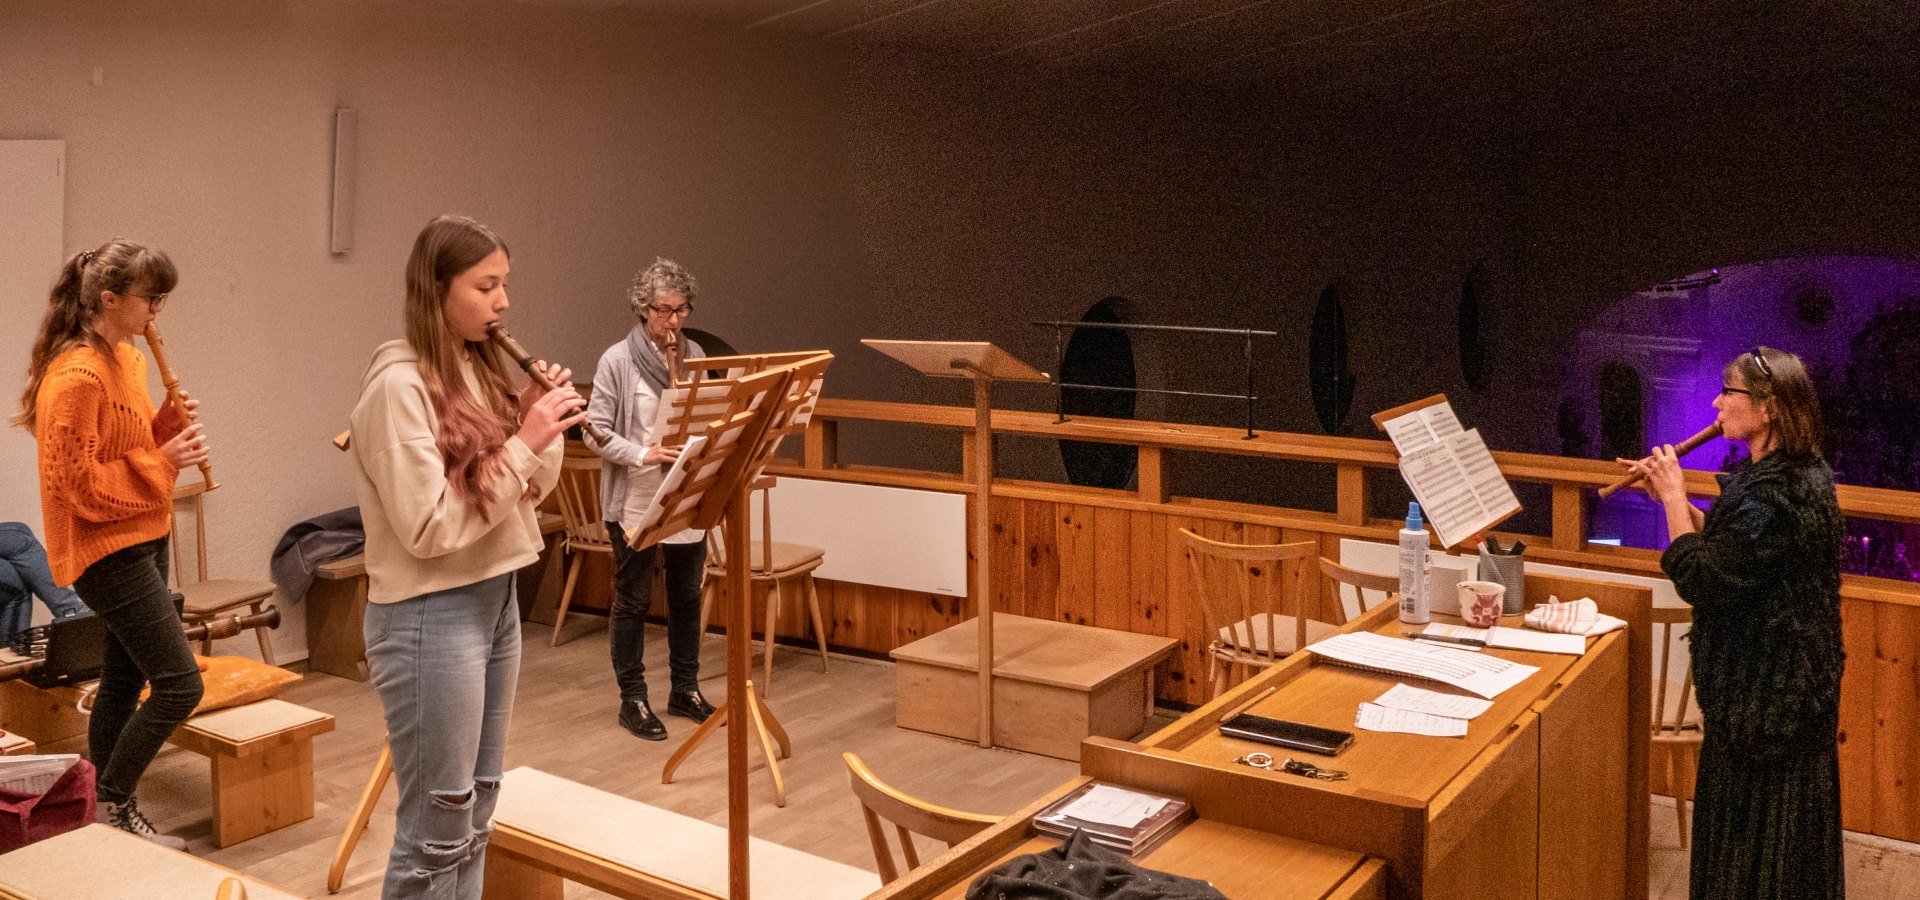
[1480, 603]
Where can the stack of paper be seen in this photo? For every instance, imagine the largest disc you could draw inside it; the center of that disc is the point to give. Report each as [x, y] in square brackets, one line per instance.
[1124, 819]
[1415, 711]
[1484, 675]
[1515, 638]
[34, 774]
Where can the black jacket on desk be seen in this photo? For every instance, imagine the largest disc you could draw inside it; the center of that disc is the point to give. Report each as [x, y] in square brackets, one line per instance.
[1083, 870]
[1763, 577]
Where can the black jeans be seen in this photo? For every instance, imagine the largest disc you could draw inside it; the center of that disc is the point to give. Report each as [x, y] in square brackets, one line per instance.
[128, 588]
[633, 594]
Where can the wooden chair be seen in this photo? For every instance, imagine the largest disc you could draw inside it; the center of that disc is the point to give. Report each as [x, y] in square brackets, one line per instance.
[578, 495]
[207, 599]
[908, 815]
[1248, 632]
[1362, 583]
[1677, 724]
[789, 561]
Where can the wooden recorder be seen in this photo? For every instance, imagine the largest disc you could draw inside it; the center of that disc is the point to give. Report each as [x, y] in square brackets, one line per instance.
[172, 383]
[497, 332]
[1681, 449]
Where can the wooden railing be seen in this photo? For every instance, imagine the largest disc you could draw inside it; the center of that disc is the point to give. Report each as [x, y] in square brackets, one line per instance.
[1111, 558]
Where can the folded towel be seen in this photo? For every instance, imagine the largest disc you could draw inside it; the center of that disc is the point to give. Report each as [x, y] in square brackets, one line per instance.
[1582, 616]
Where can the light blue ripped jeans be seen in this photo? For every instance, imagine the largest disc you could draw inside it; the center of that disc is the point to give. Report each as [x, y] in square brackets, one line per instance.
[445, 664]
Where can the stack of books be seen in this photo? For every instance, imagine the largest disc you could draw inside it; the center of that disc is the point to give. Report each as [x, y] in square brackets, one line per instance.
[34, 774]
[1123, 819]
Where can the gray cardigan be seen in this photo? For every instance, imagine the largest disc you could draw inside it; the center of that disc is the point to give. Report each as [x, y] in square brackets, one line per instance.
[614, 381]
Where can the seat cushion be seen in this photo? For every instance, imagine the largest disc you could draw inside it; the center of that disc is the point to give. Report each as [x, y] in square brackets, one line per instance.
[1250, 634]
[785, 556]
[222, 594]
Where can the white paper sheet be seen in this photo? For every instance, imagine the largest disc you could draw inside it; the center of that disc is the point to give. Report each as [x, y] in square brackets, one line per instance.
[1108, 805]
[1421, 700]
[1516, 638]
[1487, 676]
[676, 475]
[1451, 472]
[1374, 717]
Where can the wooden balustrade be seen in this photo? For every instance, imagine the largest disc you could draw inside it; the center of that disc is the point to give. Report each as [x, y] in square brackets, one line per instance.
[1111, 558]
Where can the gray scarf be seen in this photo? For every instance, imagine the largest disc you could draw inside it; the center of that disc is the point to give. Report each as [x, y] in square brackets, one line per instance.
[651, 362]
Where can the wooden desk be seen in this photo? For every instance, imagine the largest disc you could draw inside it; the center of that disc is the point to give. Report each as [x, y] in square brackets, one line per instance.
[1055, 683]
[1545, 796]
[1240, 862]
[337, 604]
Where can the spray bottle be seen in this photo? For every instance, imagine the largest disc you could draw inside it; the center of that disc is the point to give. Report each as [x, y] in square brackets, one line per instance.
[1414, 605]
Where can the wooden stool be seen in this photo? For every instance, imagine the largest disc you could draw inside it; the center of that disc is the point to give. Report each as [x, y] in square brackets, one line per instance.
[261, 756]
[98, 862]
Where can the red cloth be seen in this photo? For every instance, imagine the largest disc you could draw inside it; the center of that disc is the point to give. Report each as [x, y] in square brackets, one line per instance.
[67, 805]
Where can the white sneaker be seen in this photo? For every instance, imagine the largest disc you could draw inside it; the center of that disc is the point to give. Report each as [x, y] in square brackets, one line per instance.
[128, 818]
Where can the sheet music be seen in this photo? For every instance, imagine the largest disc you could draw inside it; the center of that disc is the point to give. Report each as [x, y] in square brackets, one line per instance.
[1433, 703]
[1422, 428]
[676, 475]
[1483, 474]
[1446, 497]
[34, 774]
[1374, 717]
[1451, 472]
[1516, 638]
[1108, 805]
[1485, 675]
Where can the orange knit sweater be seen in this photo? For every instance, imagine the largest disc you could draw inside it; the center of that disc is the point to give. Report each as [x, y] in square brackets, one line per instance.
[104, 485]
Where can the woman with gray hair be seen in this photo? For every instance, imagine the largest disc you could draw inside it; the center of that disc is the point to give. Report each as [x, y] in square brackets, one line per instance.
[631, 379]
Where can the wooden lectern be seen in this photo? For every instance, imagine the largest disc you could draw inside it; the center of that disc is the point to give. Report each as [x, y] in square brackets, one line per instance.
[985, 364]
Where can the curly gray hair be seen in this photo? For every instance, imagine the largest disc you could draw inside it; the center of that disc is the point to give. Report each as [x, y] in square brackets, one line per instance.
[663, 277]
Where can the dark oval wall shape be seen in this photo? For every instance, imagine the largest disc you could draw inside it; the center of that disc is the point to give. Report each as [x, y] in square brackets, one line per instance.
[1102, 356]
[1623, 412]
[1330, 375]
[1473, 341]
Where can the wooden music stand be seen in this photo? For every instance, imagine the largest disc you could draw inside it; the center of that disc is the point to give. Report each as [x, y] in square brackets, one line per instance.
[984, 363]
[1472, 539]
[712, 480]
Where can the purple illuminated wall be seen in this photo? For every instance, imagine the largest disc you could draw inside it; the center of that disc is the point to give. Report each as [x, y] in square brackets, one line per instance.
[1854, 320]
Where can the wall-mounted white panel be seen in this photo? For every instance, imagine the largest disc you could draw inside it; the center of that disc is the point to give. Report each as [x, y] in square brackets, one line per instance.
[33, 183]
[890, 537]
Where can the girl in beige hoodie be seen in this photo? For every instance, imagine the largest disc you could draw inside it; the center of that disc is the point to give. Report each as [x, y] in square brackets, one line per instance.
[448, 488]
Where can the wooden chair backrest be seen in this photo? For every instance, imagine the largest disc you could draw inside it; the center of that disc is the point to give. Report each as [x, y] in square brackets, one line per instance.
[908, 815]
[1361, 582]
[194, 496]
[1672, 707]
[578, 496]
[1224, 608]
[716, 538]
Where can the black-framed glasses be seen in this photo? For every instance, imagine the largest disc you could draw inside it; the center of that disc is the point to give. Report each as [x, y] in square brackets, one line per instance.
[1760, 360]
[1724, 390]
[154, 301]
[681, 311]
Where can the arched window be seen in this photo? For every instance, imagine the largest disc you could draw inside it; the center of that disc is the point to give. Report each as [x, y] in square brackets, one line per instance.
[1101, 356]
[1623, 432]
[1329, 371]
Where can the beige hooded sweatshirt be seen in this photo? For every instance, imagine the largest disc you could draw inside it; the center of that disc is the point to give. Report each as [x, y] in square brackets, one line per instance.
[421, 536]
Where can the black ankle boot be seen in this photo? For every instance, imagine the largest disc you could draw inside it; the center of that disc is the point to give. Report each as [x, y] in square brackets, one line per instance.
[689, 704]
[637, 717]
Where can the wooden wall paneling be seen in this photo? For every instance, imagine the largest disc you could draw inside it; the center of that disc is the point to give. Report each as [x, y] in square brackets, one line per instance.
[1042, 559]
[1896, 740]
[1113, 568]
[1857, 716]
[1009, 561]
[1300, 579]
[1074, 537]
[1147, 582]
[1189, 663]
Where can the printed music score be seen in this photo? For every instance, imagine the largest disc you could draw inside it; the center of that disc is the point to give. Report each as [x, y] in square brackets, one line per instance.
[1451, 472]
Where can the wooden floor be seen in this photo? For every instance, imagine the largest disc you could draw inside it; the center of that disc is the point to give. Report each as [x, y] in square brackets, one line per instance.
[564, 723]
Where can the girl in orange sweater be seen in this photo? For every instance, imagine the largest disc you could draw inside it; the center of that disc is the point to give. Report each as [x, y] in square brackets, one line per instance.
[107, 469]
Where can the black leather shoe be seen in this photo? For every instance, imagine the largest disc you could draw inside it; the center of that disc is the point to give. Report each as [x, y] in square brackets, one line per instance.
[689, 704]
[637, 717]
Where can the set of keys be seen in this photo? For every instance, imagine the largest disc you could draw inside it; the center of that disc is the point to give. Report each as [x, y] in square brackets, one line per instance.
[1291, 767]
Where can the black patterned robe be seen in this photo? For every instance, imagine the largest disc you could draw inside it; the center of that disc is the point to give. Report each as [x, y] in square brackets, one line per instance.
[1763, 577]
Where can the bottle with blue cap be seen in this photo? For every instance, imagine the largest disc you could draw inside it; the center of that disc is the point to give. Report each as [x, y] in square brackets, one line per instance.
[1414, 606]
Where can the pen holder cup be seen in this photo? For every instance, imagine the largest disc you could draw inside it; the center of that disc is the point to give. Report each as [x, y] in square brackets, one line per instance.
[1508, 570]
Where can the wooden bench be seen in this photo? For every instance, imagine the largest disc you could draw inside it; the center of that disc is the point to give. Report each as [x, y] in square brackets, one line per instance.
[261, 755]
[12, 744]
[102, 863]
[1055, 683]
[548, 830]
[337, 604]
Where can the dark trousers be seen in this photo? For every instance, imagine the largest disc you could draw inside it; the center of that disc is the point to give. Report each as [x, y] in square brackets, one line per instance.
[128, 589]
[633, 594]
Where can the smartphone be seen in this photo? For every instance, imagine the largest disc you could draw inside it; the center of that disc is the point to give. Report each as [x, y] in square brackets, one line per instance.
[1292, 735]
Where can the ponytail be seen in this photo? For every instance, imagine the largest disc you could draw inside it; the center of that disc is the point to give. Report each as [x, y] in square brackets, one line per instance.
[73, 307]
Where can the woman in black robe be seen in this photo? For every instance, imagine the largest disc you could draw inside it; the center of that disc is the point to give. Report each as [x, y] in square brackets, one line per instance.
[1761, 569]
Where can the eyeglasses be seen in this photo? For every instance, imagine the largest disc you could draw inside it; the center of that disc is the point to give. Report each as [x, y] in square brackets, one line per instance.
[1724, 390]
[154, 301]
[1761, 361]
[681, 311]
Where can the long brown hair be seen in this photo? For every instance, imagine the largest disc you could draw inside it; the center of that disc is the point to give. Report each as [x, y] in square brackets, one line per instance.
[1779, 379]
[73, 307]
[473, 430]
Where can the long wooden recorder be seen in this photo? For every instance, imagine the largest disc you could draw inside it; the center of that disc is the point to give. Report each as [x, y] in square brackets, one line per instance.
[172, 383]
[1681, 449]
[497, 332]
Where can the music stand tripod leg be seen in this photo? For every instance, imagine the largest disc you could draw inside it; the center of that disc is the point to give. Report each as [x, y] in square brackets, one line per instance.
[357, 826]
[760, 719]
[699, 734]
